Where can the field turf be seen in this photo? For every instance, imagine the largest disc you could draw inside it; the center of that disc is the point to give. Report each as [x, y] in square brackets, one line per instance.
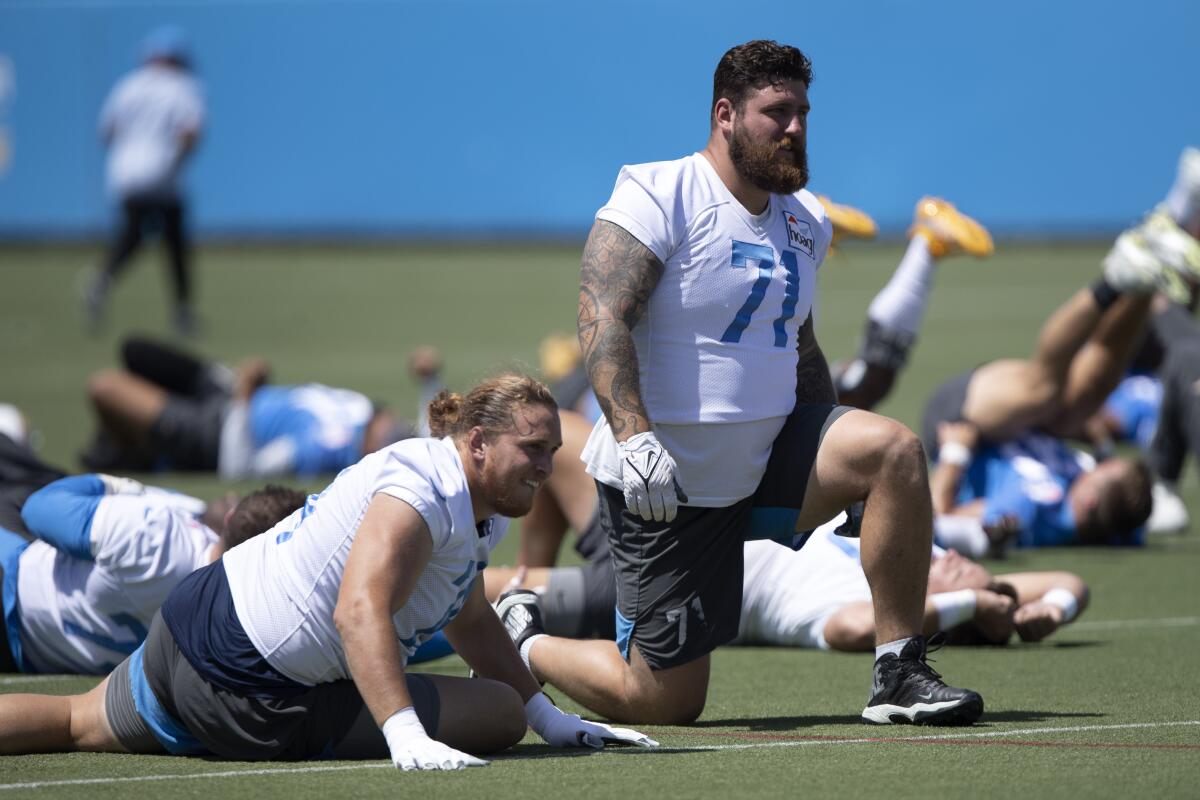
[1107, 708]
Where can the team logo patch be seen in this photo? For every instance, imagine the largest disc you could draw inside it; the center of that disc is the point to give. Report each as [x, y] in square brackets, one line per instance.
[800, 235]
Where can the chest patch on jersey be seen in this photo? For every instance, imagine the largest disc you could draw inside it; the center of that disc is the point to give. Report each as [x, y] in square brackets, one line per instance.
[799, 232]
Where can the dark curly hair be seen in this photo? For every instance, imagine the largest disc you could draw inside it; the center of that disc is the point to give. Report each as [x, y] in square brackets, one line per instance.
[756, 64]
[258, 512]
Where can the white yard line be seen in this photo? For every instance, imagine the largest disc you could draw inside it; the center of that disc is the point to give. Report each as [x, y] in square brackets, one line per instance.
[13, 679]
[749, 746]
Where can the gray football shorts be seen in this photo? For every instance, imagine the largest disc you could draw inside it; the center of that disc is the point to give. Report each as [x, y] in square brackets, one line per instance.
[679, 584]
[156, 702]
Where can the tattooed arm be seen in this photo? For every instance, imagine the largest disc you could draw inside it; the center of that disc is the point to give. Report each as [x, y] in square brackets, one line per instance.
[813, 382]
[616, 279]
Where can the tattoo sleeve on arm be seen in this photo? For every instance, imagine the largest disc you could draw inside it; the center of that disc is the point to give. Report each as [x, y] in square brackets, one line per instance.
[813, 381]
[616, 279]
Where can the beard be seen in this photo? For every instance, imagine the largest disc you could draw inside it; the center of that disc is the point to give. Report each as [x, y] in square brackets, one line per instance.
[757, 163]
[509, 498]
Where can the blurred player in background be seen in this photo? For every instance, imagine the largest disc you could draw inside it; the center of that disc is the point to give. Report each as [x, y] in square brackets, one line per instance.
[171, 410]
[998, 429]
[107, 551]
[151, 123]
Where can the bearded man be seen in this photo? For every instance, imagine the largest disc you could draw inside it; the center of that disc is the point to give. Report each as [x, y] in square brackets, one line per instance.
[721, 421]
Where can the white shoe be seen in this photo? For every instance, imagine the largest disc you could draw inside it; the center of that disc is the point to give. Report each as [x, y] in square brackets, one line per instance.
[1132, 265]
[1169, 514]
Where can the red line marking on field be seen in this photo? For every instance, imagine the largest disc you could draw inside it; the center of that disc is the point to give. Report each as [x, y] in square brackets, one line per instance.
[964, 741]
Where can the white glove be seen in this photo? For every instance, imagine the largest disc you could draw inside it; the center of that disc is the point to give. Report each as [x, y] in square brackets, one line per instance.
[411, 747]
[114, 484]
[560, 729]
[648, 475]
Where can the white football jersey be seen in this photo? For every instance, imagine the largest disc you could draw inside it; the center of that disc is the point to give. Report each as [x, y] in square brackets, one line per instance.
[285, 582]
[716, 345]
[85, 617]
[146, 112]
[788, 595]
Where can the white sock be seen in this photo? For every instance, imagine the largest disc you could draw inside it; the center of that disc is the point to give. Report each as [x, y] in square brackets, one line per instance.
[891, 647]
[964, 534]
[527, 645]
[1183, 201]
[900, 305]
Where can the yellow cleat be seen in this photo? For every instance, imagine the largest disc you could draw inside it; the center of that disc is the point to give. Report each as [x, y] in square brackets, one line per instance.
[948, 230]
[848, 222]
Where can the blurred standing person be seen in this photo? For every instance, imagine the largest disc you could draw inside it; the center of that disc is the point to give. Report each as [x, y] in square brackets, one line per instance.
[150, 122]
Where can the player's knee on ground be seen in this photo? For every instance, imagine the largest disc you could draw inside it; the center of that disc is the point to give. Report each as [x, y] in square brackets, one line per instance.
[477, 716]
[673, 696]
[506, 724]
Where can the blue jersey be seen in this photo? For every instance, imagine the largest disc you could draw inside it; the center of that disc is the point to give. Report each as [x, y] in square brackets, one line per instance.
[1029, 479]
[325, 426]
[1134, 404]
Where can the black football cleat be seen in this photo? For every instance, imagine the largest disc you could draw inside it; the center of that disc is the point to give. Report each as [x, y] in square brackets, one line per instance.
[907, 691]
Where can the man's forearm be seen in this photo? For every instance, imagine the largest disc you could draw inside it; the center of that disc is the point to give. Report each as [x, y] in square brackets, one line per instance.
[617, 277]
[373, 655]
[612, 368]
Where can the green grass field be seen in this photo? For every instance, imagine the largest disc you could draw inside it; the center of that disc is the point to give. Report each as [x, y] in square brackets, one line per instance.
[1109, 707]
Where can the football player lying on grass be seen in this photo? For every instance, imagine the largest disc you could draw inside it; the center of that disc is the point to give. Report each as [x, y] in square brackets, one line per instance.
[96, 556]
[294, 644]
[997, 428]
[818, 597]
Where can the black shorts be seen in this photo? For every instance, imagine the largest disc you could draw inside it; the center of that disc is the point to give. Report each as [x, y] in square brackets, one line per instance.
[592, 542]
[793, 454]
[679, 585]
[185, 714]
[945, 405]
[188, 431]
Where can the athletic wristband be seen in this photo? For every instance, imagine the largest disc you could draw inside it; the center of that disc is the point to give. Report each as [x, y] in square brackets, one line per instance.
[1063, 599]
[954, 608]
[954, 453]
[403, 724]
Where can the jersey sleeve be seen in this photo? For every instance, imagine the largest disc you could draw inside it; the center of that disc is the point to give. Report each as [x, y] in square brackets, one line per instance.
[402, 480]
[640, 205]
[1007, 498]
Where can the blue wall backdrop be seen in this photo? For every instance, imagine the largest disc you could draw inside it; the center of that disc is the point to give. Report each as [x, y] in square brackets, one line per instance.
[476, 118]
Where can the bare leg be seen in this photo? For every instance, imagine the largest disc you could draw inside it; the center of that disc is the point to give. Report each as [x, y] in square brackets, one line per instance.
[542, 529]
[497, 579]
[866, 456]
[127, 405]
[1101, 363]
[593, 674]
[1009, 396]
[39, 723]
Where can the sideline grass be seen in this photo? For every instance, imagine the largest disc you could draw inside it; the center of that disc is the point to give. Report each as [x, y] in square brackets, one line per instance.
[779, 723]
